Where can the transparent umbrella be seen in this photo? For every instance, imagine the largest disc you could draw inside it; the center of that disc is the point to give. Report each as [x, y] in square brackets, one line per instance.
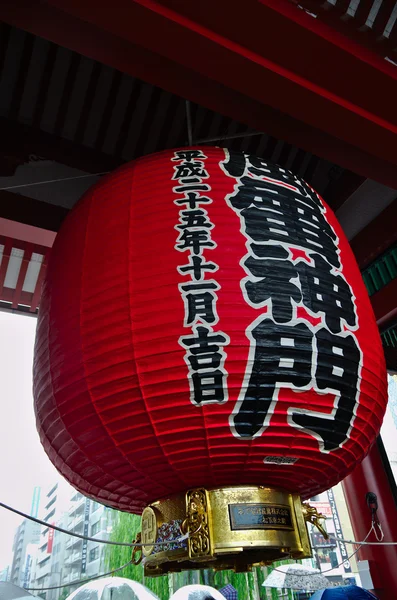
[197, 592]
[296, 577]
[112, 588]
[9, 591]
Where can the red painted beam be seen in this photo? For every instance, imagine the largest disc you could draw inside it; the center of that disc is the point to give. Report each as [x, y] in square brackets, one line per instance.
[287, 36]
[371, 476]
[26, 240]
[186, 42]
[8, 295]
[175, 57]
[27, 255]
[5, 260]
[376, 237]
[35, 301]
[354, 28]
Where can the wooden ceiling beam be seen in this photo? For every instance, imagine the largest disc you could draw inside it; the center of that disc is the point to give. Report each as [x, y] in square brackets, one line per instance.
[21, 141]
[195, 81]
[340, 189]
[391, 359]
[22, 209]
[354, 28]
[384, 304]
[376, 237]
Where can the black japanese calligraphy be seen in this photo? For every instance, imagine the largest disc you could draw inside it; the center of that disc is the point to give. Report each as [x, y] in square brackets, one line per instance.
[200, 302]
[280, 213]
[282, 356]
[286, 284]
[278, 354]
[205, 360]
[204, 356]
[197, 267]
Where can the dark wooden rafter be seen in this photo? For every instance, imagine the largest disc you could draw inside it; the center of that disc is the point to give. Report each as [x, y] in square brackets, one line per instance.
[384, 303]
[22, 209]
[341, 188]
[376, 237]
[21, 141]
[391, 359]
[355, 28]
[160, 61]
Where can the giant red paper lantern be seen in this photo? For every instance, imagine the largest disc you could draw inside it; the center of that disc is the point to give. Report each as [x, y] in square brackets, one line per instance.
[204, 323]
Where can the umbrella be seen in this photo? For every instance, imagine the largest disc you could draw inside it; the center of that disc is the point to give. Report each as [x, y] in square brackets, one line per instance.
[229, 592]
[296, 577]
[197, 592]
[112, 588]
[9, 591]
[346, 592]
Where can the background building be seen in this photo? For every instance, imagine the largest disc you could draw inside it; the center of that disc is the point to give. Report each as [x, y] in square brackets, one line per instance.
[44, 558]
[331, 556]
[82, 558]
[57, 502]
[5, 574]
[27, 534]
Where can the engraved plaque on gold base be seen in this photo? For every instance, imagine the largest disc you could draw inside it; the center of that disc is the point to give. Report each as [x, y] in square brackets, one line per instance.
[225, 528]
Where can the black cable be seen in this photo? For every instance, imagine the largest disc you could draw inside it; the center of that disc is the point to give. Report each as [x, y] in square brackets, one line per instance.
[78, 535]
[57, 587]
[90, 539]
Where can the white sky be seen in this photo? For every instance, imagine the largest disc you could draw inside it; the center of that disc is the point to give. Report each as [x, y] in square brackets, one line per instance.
[23, 462]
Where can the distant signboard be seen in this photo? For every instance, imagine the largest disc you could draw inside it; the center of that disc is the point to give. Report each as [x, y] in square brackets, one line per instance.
[86, 524]
[50, 539]
[323, 507]
[339, 533]
[28, 568]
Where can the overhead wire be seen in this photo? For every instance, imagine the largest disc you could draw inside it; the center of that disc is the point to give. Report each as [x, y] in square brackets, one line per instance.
[375, 527]
[84, 537]
[22, 185]
[309, 574]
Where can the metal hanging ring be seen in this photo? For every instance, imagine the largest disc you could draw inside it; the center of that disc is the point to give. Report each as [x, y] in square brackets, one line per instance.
[137, 555]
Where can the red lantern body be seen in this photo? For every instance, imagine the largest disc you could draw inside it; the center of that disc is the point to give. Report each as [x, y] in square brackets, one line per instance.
[204, 323]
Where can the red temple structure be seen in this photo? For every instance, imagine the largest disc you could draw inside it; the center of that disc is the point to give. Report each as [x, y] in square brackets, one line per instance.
[310, 85]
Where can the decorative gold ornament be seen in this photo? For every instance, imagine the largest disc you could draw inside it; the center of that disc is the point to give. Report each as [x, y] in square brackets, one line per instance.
[136, 557]
[312, 516]
[196, 524]
[149, 524]
[225, 528]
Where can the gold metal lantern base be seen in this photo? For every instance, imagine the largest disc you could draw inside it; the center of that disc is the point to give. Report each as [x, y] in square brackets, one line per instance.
[225, 528]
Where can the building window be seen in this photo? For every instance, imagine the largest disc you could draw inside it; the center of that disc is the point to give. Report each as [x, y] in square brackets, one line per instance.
[51, 502]
[52, 490]
[57, 548]
[95, 528]
[94, 554]
[51, 514]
